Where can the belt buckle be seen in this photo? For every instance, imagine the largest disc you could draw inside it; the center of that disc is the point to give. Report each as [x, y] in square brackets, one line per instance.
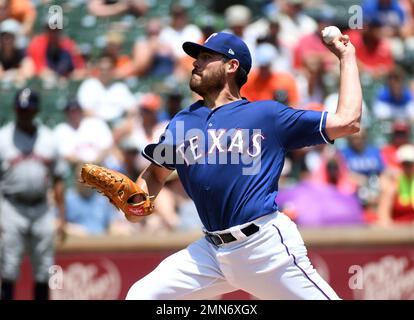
[221, 239]
[213, 237]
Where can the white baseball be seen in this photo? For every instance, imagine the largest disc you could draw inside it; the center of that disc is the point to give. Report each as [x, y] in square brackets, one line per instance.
[330, 33]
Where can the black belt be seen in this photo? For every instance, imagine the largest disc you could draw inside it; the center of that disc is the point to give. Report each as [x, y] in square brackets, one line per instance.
[24, 201]
[218, 239]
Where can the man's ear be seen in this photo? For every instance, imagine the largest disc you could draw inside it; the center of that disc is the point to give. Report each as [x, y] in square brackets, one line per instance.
[232, 65]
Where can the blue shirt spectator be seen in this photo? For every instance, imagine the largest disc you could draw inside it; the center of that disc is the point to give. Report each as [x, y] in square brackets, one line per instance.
[389, 12]
[368, 162]
[361, 157]
[59, 60]
[385, 95]
[394, 100]
[89, 210]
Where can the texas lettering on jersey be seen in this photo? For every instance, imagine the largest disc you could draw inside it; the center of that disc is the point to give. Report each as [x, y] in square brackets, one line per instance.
[220, 146]
[237, 142]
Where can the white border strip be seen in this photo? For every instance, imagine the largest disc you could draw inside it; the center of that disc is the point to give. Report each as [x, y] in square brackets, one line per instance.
[320, 127]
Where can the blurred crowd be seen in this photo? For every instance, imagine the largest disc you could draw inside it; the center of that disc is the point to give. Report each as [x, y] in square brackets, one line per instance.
[108, 119]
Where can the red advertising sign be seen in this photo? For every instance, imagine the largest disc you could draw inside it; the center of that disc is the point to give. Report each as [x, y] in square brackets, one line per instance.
[358, 273]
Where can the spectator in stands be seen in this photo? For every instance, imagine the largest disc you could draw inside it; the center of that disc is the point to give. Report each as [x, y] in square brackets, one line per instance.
[82, 138]
[130, 153]
[103, 97]
[166, 217]
[294, 22]
[109, 8]
[366, 165]
[389, 12]
[264, 84]
[208, 25]
[21, 10]
[59, 60]
[14, 65]
[142, 126]
[334, 171]
[175, 34]
[188, 219]
[311, 81]
[173, 104]
[126, 159]
[335, 207]
[87, 212]
[397, 190]
[313, 62]
[374, 52]
[151, 56]
[294, 162]
[179, 30]
[237, 18]
[361, 157]
[310, 45]
[400, 135]
[53, 53]
[270, 24]
[394, 100]
[114, 48]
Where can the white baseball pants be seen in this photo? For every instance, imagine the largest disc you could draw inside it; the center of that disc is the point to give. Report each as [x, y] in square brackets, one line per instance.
[270, 264]
[21, 232]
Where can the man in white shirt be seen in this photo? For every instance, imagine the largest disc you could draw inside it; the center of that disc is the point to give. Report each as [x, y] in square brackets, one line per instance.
[102, 97]
[86, 139]
[179, 31]
[294, 23]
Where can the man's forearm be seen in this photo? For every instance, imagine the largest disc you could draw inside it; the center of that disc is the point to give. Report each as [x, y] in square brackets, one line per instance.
[152, 179]
[346, 120]
[350, 93]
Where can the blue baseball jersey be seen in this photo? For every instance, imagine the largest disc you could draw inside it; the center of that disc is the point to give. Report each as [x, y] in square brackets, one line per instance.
[368, 162]
[229, 159]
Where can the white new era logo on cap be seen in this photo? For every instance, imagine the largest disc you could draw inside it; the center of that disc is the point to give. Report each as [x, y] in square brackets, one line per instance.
[231, 51]
[24, 97]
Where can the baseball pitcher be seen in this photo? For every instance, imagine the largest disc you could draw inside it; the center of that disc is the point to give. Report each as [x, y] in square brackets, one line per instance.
[229, 154]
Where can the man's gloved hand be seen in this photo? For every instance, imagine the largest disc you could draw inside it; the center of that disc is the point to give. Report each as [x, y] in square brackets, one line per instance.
[121, 191]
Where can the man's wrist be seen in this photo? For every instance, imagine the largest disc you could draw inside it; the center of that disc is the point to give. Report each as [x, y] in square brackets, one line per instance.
[348, 57]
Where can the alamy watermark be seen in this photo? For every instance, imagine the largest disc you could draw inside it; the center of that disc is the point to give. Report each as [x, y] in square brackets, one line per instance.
[55, 277]
[356, 281]
[356, 19]
[55, 17]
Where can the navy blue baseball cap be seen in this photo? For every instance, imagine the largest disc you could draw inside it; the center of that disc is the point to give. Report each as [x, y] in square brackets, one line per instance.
[224, 43]
[26, 99]
[72, 104]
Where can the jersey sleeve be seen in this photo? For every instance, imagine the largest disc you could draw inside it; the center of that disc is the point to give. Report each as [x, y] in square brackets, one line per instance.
[163, 152]
[300, 128]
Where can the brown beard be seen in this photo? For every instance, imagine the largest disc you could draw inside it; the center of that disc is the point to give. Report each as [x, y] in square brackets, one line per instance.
[207, 83]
